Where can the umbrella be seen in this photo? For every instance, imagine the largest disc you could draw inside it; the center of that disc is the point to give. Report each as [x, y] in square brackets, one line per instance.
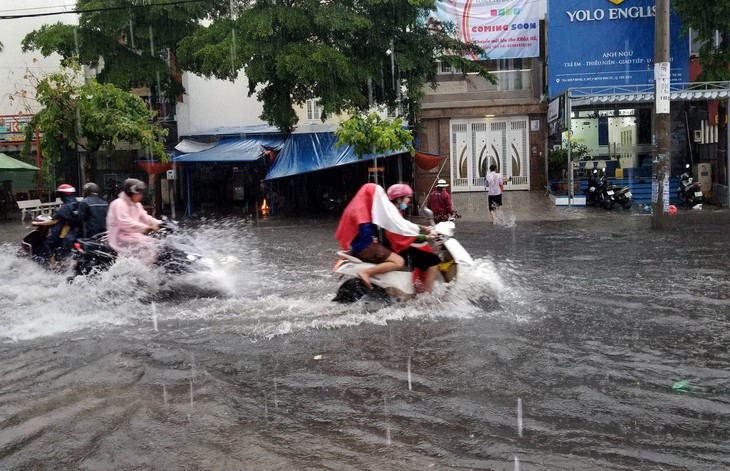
[9, 164]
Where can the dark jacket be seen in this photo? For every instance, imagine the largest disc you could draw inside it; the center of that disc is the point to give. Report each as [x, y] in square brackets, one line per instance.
[64, 231]
[92, 215]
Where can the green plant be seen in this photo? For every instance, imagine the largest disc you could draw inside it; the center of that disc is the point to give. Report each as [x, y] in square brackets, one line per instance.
[558, 159]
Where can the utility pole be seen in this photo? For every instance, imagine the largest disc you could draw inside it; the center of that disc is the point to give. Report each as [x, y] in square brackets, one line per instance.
[661, 165]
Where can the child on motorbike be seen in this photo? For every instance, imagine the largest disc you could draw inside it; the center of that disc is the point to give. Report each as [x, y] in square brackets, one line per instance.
[357, 231]
[62, 235]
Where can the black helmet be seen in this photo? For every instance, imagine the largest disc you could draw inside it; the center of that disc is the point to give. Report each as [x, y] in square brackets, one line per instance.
[133, 186]
[91, 188]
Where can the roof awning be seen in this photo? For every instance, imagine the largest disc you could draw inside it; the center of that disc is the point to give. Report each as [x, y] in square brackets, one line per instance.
[9, 164]
[303, 153]
[645, 93]
[187, 146]
[246, 149]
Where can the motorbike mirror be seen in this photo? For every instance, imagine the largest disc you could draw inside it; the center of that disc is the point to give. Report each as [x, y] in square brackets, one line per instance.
[428, 213]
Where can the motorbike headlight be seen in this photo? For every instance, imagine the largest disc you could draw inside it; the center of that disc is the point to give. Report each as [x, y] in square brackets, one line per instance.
[191, 257]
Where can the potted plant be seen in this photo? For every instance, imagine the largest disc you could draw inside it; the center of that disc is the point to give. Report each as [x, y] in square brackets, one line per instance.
[558, 164]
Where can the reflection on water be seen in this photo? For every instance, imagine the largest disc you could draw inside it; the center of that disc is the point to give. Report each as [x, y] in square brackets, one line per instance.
[558, 349]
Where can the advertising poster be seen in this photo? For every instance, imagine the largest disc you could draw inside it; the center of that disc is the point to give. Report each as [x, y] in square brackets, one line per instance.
[599, 43]
[504, 29]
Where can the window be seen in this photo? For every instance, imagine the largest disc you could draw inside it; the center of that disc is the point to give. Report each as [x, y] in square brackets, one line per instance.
[444, 68]
[314, 111]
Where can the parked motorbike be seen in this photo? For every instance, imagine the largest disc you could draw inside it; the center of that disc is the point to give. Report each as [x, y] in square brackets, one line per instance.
[599, 192]
[689, 191]
[622, 195]
[331, 202]
[400, 284]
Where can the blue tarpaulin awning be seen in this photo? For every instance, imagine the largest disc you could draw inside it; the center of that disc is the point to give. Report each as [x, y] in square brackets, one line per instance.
[309, 152]
[240, 149]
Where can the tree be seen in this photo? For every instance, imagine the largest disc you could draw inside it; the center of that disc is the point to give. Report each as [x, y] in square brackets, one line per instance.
[374, 135]
[90, 115]
[348, 54]
[131, 38]
[708, 17]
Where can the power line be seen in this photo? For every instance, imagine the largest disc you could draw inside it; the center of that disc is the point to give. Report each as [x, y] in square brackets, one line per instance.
[94, 10]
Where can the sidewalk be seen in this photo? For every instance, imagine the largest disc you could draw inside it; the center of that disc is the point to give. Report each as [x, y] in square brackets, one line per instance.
[524, 205]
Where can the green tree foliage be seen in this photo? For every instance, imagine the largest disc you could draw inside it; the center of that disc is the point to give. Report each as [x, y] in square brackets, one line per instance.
[706, 17]
[130, 38]
[338, 51]
[372, 134]
[90, 115]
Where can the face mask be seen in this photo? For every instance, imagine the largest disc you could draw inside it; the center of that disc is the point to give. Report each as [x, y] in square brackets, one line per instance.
[403, 206]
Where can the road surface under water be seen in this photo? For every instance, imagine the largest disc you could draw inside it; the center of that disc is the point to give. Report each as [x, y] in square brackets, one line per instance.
[557, 350]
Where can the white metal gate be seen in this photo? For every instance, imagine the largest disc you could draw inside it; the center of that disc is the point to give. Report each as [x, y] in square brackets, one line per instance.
[478, 143]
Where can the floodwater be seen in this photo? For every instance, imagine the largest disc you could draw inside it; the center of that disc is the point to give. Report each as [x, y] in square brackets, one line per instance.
[562, 348]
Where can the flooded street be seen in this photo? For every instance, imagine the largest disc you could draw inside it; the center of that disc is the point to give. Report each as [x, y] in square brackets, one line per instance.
[562, 348]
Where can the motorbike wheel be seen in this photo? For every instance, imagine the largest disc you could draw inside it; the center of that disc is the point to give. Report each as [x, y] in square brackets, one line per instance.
[608, 204]
[626, 204]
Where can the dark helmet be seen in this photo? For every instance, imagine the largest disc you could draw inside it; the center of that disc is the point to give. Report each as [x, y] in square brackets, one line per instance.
[133, 186]
[91, 188]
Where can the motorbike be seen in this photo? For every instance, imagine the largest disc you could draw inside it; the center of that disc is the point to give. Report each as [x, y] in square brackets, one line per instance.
[400, 284]
[622, 196]
[689, 191]
[599, 192]
[176, 255]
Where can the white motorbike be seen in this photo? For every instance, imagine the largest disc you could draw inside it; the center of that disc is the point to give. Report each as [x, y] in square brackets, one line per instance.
[400, 284]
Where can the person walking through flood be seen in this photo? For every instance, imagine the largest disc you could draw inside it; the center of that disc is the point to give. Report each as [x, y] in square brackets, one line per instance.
[369, 210]
[494, 184]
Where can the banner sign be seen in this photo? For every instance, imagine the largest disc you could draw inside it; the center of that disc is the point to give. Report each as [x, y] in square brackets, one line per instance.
[556, 116]
[504, 29]
[608, 43]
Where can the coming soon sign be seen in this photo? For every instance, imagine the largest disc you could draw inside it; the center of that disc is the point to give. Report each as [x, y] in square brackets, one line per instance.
[504, 29]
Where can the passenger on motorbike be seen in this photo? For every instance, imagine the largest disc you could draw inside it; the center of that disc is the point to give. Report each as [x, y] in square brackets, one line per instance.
[357, 231]
[62, 235]
[92, 211]
[128, 223]
[401, 195]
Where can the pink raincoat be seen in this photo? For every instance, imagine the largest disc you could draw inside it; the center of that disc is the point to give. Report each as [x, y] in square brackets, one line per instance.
[126, 223]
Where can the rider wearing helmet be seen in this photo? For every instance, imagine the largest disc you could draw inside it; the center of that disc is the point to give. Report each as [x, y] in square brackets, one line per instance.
[92, 211]
[127, 222]
[368, 211]
[401, 195]
[62, 235]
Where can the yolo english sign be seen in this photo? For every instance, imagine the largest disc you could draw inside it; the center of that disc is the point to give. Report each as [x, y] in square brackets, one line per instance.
[504, 29]
[603, 43]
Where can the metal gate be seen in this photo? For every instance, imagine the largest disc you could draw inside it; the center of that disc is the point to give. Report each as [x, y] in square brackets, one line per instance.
[478, 143]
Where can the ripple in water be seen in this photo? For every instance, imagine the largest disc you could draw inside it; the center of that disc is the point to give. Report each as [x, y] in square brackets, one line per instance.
[243, 292]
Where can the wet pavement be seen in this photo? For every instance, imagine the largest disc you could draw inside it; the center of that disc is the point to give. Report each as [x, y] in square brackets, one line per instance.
[564, 347]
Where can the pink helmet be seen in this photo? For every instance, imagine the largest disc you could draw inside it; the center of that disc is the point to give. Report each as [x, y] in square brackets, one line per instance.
[66, 189]
[398, 190]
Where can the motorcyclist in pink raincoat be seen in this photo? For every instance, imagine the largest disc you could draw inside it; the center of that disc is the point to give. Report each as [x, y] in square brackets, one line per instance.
[128, 223]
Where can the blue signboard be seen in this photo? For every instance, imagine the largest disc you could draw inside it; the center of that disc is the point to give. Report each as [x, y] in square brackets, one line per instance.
[599, 43]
